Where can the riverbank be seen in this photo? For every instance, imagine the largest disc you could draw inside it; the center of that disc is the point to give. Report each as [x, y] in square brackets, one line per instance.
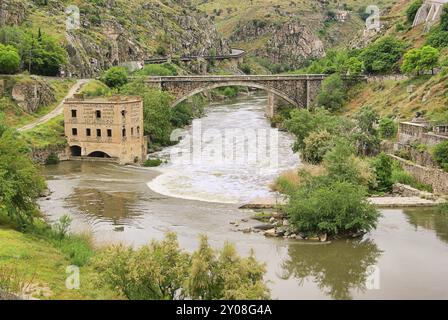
[379, 202]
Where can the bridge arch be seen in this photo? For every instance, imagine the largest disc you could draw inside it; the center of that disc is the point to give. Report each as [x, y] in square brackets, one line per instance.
[98, 154]
[237, 84]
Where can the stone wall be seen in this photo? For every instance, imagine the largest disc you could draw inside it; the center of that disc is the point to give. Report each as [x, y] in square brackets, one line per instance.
[437, 178]
[40, 155]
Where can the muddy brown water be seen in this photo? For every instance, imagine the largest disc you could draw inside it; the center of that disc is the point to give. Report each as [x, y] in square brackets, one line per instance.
[406, 257]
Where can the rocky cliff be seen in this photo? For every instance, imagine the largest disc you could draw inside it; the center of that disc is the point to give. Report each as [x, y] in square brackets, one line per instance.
[111, 32]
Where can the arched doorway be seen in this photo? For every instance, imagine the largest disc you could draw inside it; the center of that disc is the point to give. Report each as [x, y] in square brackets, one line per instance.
[75, 151]
[98, 154]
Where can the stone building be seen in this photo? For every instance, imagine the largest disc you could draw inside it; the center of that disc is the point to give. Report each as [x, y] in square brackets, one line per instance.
[106, 128]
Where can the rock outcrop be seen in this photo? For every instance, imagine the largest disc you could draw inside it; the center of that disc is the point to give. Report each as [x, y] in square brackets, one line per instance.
[289, 43]
[32, 93]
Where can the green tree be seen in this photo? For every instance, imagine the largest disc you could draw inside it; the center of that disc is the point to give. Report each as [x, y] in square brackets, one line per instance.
[161, 270]
[224, 275]
[366, 135]
[333, 93]
[9, 59]
[419, 60]
[440, 154]
[317, 144]
[333, 207]
[387, 128]
[157, 70]
[383, 55]
[20, 181]
[444, 18]
[382, 166]
[157, 111]
[115, 77]
[437, 38]
[411, 11]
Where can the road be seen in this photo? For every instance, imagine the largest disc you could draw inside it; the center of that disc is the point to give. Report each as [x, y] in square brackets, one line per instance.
[56, 111]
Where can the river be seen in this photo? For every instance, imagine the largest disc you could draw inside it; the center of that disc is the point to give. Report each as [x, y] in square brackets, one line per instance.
[406, 257]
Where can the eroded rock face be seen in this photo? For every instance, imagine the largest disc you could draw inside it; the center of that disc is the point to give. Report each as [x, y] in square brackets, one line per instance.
[12, 12]
[30, 94]
[290, 43]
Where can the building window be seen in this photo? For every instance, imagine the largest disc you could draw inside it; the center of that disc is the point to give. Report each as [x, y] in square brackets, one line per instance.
[98, 132]
[73, 113]
[74, 131]
[123, 132]
[132, 131]
[109, 132]
[123, 113]
[98, 114]
[88, 132]
[138, 130]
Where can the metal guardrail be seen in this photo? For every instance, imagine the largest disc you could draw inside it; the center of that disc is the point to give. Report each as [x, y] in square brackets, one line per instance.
[236, 53]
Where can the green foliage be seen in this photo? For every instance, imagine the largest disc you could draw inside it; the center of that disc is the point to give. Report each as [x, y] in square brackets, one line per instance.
[342, 62]
[387, 128]
[181, 115]
[333, 93]
[161, 270]
[156, 110]
[160, 70]
[115, 77]
[440, 154]
[411, 11]
[444, 18]
[383, 55]
[52, 159]
[333, 207]
[341, 164]
[366, 135]
[317, 144]
[61, 228]
[152, 163]
[437, 38]
[382, 166]
[419, 60]
[246, 68]
[302, 122]
[9, 59]
[20, 181]
[230, 92]
[161, 51]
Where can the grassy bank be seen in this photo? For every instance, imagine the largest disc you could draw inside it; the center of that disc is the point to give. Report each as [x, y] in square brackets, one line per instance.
[41, 262]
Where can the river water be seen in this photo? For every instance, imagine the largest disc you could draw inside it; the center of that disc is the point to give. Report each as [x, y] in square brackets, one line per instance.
[406, 257]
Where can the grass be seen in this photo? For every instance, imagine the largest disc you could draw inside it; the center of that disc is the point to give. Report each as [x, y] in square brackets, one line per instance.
[95, 88]
[40, 259]
[48, 134]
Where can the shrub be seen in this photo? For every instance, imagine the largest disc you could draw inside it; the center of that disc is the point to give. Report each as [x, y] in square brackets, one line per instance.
[152, 163]
[52, 159]
[181, 115]
[161, 70]
[317, 144]
[115, 77]
[382, 166]
[332, 207]
[387, 128]
[419, 60]
[161, 270]
[437, 38]
[9, 59]
[383, 55]
[61, 228]
[20, 180]
[440, 154]
[411, 11]
[333, 93]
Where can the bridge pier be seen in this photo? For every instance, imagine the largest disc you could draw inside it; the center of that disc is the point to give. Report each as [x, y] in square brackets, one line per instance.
[270, 106]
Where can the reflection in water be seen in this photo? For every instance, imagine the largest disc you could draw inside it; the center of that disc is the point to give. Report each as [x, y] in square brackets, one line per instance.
[113, 206]
[429, 219]
[337, 268]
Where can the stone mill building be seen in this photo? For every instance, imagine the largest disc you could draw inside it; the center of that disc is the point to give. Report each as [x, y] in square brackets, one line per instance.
[107, 128]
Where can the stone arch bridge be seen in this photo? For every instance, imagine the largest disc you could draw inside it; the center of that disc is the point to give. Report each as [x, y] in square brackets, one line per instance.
[298, 90]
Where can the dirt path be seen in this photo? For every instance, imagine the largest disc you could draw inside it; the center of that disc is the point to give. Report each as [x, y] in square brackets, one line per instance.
[56, 111]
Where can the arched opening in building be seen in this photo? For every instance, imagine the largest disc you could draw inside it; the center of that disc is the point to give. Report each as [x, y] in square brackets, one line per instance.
[98, 154]
[75, 151]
